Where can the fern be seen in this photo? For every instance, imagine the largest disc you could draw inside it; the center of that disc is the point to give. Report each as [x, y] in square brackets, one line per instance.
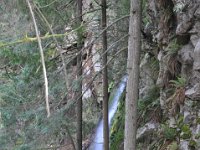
[173, 47]
[180, 82]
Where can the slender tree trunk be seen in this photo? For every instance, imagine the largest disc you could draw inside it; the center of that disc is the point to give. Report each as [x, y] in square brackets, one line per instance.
[105, 79]
[79, 79]
[134, 46]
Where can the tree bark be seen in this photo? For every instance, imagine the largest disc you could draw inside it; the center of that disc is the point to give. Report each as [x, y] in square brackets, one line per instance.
[79, 78]
[105, 78]
[134, 48]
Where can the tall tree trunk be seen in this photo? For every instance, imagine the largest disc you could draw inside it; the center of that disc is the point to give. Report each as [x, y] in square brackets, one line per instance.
[105, 79]
[134, 46]
[79, 78]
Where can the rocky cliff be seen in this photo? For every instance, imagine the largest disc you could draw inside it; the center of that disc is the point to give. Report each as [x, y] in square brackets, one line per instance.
[172, 37]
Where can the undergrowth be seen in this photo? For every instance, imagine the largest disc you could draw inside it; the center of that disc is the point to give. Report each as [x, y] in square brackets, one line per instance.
[148, 108]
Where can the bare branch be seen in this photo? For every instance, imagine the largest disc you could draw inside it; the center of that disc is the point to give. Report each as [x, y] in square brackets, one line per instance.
[42, 58]
[58, 47]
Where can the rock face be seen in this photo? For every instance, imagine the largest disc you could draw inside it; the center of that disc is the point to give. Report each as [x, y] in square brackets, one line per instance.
[196, 65]
[176, 33]
[146, 130]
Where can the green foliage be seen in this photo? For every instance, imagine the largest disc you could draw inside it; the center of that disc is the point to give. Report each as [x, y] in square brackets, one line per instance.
[173, 146]
[117, 129]
[145, 19]
[23, 119]
[192, 143]
[53, 10]
[124, 7]
[169, 133]
[110, 86]
[87, 127]
[180, 82]
[150, 100]
[198, 120]
[185, 128]
[81, 30]
[118, 138]
[186, 132]
[180, 122]
[154, 63]
[197, 136]
[173, 47]
[23, 114]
